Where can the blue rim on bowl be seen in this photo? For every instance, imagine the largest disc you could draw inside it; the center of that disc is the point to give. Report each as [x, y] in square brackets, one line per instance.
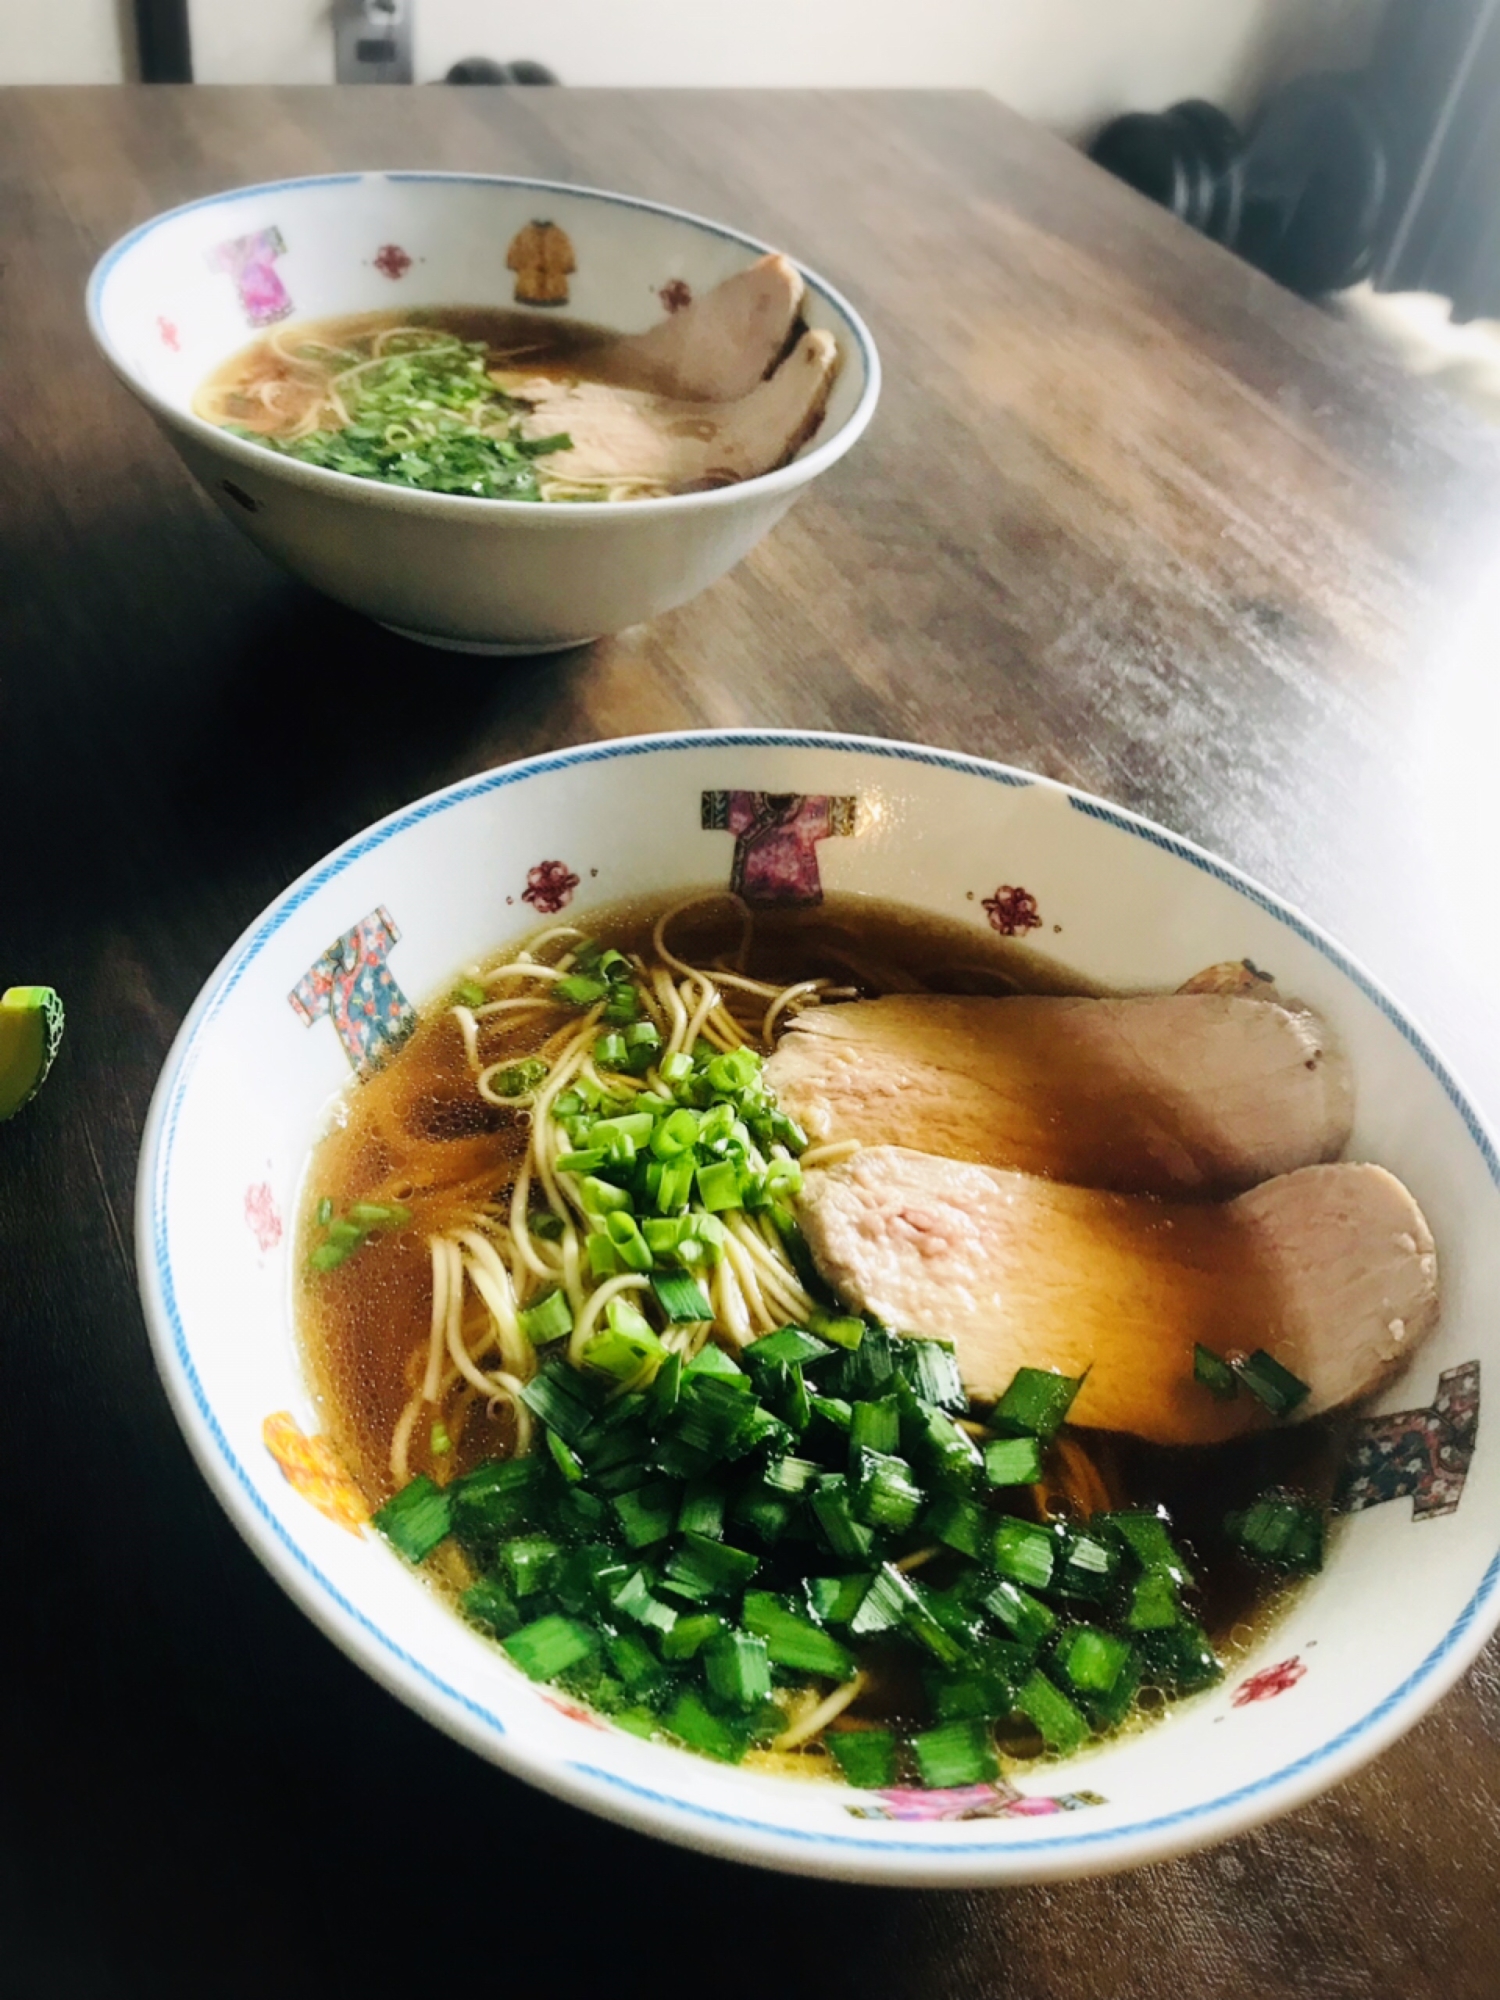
[741, 1836]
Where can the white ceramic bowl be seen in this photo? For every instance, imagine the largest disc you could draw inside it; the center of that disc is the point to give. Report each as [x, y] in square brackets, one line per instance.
[1408, 1595]
[176, 297]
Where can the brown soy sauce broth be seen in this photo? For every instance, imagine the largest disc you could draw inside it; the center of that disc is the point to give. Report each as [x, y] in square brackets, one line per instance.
[527, 343]
[418, 1132]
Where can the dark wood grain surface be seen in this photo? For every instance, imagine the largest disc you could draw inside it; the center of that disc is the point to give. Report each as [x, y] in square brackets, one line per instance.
[1127, 515]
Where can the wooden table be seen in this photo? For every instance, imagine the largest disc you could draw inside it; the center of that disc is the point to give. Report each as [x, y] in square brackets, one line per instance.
[1128, 515]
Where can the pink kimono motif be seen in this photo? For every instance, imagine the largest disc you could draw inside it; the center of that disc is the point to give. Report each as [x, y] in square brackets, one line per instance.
[249, 260]
[994, 1801]
[352, 983]
[1424, 1453]
[776, 837]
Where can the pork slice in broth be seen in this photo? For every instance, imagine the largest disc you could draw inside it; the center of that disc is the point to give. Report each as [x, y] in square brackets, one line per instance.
[716, 349]
[1161, 1094]
[1331, 1269]
[630, 435]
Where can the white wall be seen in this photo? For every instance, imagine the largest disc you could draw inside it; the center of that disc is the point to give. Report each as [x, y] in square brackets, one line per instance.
[1069, 63]
[60, 41]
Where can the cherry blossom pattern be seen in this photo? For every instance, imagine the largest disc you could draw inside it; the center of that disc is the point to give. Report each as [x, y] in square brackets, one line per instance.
[573, 1712]
[1268, 1682]
[675, 294]
[392, 261]
[1012, 911]
[169, 335]
[262, 1216]
[549, 887]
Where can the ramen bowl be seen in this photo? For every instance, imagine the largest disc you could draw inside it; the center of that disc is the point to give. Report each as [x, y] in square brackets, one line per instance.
[183, 293]
[1408, 1594]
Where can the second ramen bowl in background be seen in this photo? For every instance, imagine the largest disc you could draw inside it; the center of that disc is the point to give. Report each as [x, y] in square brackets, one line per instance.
[181, 294]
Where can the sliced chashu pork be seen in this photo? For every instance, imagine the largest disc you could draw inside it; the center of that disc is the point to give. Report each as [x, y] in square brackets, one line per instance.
[630, 434]
[1165, 1093]
[716, 349]
[1331, 1269]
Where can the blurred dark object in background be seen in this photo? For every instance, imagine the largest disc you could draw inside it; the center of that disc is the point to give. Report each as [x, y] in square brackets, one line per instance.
[1392, 173]
[1300, 196]
[163, 46]
[479, 69]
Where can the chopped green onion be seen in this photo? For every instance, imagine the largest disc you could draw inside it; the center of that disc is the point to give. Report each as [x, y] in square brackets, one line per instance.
[1024, 1553]
[1153, 1605]
[1013, 1461]
[794, 1641]
[885, 1494]
[624, 1232]
[579, 990]
[680, 1298]
[738, 1669]
[489, 1604]
[492, 1499]
[1089, 1566]
[560, 1399]
[675, 1134]
[875, 1426]
[635, 1599]
[1035, 1403]
[1145, 1535]
[634, 1661]
[835, 1599]
[1061, 1725]
[932, 1369]
[328, 1256]
[416, 1519]
[1025, 1617]
[532, 1562]
[325, 1212]
[1093, 1660]
[545, 1225]
[567, 1462]
[649, 1513]
[694, 1724]
[865, 1757]
[602, 1198]
[842, 1329]
[702, 1509]
[546, 1318]
[690, 1635]
[957, 1753]
[699, 1568]
[832, 1504]
[1181, 1660]
[719, 1186]
[1281, 1532]
[550, 1645]
[789, 1347]
[1277, 1387]
[1214, 1373]
[962, 1524]
[519, 1078]
[438, 1441]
